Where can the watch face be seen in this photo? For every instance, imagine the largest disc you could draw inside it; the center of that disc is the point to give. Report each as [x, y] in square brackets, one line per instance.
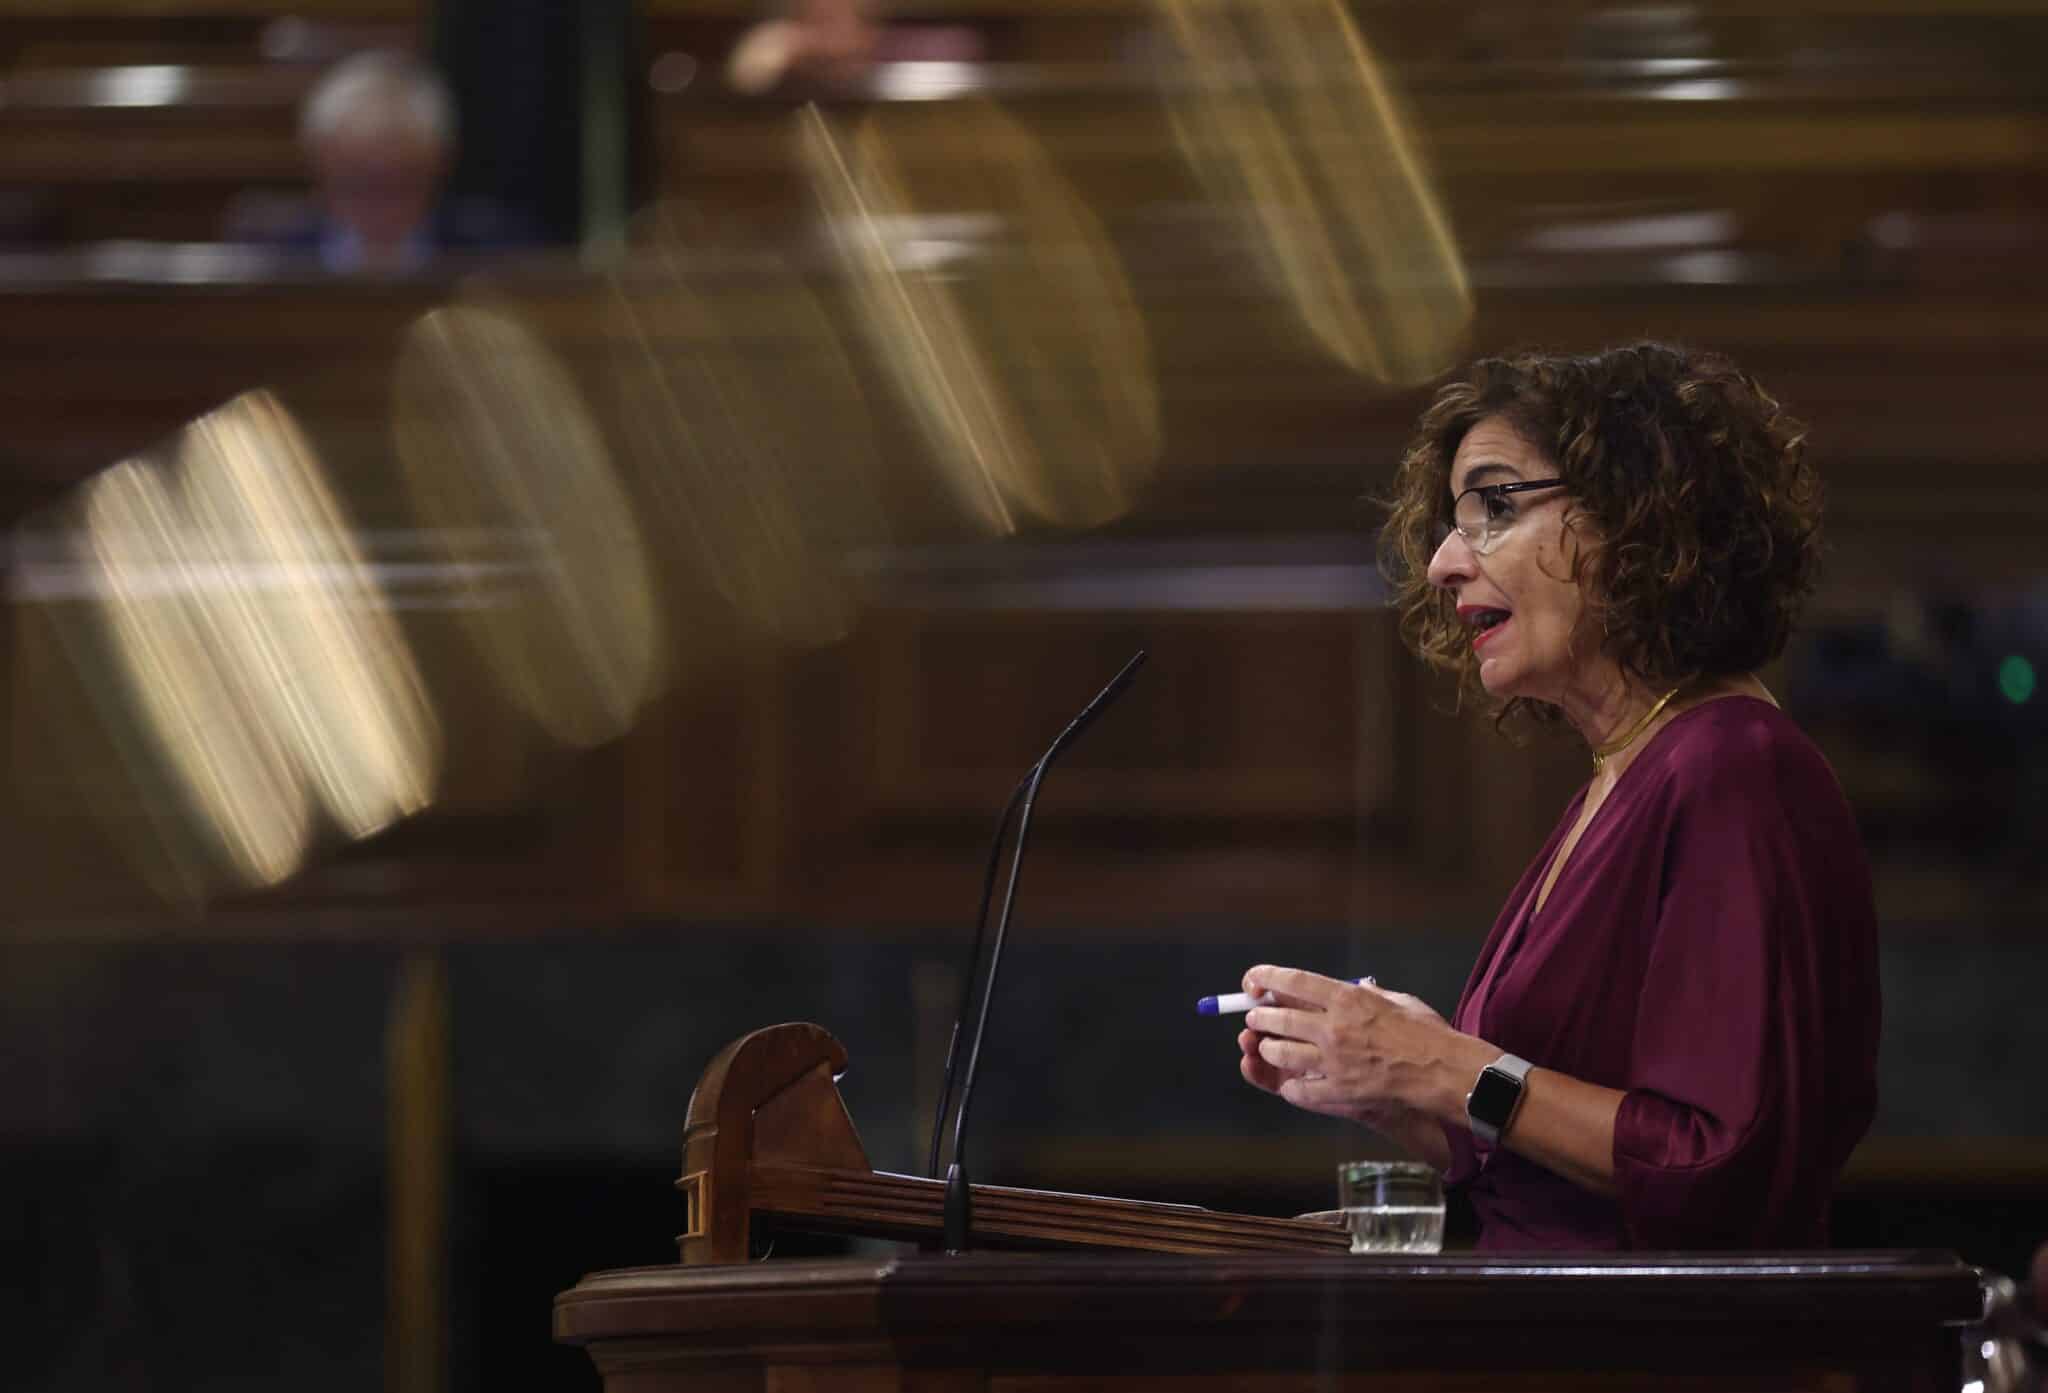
[1493, 1097]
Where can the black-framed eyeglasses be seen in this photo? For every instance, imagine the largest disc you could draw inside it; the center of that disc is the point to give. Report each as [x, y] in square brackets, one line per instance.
[1482, 513]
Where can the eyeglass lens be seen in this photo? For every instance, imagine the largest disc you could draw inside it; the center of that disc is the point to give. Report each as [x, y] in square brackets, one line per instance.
[1480, 514]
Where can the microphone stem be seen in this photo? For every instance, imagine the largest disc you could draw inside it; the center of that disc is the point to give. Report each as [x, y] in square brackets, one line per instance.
[959, 1193]
[959, 1207]
[988, 885]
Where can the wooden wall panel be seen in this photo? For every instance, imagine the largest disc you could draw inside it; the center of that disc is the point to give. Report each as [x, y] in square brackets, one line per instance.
[1236, 716]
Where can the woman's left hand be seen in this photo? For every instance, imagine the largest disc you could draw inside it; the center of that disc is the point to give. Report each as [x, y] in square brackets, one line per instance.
[1333, 1047]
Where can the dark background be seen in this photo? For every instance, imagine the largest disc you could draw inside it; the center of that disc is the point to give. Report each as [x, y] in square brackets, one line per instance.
[201, 1131]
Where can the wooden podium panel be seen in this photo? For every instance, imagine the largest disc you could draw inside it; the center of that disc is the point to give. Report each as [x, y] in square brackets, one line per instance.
[768, 1144]
[1839, 1322]
[1148, 1296]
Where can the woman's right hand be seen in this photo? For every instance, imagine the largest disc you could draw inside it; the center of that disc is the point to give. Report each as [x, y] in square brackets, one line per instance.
[1413, 1132]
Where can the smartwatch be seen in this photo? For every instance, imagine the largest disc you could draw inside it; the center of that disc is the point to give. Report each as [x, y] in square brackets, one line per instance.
[1491, 1104]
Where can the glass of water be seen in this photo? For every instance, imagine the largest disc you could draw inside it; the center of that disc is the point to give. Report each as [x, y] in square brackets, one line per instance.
[1392, 1206]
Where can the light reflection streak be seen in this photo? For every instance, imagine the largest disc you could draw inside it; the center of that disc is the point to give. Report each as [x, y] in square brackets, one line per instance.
[926, 81]
[912, 328]
[749, 433]
[495, 439]
[1705, 89]
[1286, 117]
[321, 653]
[140, 84]
[1028, 371]
[230, 767]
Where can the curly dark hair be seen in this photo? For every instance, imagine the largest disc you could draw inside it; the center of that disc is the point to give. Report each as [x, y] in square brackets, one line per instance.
[1704, 509]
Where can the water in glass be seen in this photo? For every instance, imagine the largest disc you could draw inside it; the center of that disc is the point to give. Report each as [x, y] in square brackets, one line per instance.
[1392, 1206]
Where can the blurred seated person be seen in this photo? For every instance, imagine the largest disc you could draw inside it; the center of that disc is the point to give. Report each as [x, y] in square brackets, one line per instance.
[379, 133]
[837, 44]
[1669, 1039]
[2008, 1351]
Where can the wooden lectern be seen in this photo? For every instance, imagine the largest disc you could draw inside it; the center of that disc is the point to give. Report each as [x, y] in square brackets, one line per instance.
[1179, 1296]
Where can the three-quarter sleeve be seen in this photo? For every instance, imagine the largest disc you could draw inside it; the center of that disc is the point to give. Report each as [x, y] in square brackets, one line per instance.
[1713, 1143]
[1464, 1155]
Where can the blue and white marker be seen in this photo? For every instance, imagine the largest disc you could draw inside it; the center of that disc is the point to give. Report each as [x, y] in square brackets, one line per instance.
[1237, 1003]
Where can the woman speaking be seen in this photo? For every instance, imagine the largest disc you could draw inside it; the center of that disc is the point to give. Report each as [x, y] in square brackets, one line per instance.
[1670, 1037]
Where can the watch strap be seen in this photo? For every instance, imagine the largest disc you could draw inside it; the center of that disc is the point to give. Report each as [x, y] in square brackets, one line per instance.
[1515, 1071]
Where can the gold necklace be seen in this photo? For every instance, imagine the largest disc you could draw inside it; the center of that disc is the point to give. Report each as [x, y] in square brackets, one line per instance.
[1602, 753]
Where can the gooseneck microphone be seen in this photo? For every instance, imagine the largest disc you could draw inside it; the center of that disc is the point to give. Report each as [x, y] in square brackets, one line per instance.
[988, 885]
[959, 1211]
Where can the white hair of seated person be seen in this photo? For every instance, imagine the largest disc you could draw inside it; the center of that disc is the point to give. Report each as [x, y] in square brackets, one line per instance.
[379, 93]
[379, 131]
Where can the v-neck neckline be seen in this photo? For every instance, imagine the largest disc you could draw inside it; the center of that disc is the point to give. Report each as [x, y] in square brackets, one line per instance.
[1568, 849]
[1511, 941]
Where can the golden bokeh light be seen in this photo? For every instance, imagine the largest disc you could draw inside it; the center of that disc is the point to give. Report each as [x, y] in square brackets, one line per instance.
[305, 628]
[1284, 114]
[260, 675]
[1027, 367]
[498, 448]
[159, 593]
[743, 424]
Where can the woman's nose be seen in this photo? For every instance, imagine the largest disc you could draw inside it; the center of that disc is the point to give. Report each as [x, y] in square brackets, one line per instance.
[1452, 564]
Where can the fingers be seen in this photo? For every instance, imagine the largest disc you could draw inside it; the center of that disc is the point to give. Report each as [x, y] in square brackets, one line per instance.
[1290, 1056]
[1248, 1043]
[1310, 987]
[1257, 1072]
[1310, 1091]
[1285, 1021]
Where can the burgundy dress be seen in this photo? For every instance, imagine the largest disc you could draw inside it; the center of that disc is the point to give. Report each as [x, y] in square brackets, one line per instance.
[1710, 949]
